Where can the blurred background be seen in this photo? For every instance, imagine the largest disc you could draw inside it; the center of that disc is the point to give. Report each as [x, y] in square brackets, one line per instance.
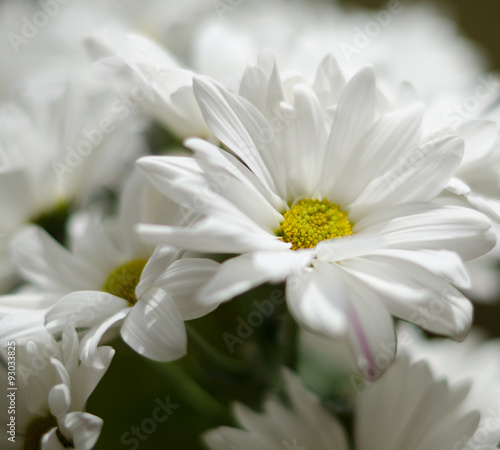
[479, 20]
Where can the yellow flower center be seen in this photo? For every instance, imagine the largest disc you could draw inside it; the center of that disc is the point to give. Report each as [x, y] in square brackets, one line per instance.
[123, 280]
[313, 221]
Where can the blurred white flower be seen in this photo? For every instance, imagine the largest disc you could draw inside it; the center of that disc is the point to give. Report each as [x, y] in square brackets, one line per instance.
[407, 408]
[475, 361]
[109, 277]
[58, 147]
[53, 388]
[329, 188]
[301, 424]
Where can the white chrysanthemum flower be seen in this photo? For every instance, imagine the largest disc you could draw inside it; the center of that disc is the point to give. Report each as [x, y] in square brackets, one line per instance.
[407, 408]
[109, 277]
[53, 388]
[57, 149]
[330, 190]
[303, 424]
[475, 361]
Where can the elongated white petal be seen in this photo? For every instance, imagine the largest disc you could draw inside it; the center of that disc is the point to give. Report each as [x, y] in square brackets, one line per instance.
[419, 176]
[240, 274]
[33, 247]
[414, 294]
[354, 115]
[155, 327]
[84, 309]
[213, 235]
[416, 226]
[391, 136]
[240, 126]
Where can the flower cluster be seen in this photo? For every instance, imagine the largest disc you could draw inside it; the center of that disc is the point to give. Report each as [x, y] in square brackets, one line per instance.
[253, 198]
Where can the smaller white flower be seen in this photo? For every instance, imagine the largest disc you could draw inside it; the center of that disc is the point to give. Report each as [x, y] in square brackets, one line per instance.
[304, 424]
[406, 408]
[109, 278]
[475, 361]
[54, 386]
[58, 148]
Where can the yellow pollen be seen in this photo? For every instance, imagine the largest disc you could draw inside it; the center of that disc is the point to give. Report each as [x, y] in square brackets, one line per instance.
[123, 280]
[313, 221]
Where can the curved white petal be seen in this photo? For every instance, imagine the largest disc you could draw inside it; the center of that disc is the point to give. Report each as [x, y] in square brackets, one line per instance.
[155, 327]
[84, 429]
[243, 129]
[214, 235]
[84, 309]
[182, 281]
[89, 353]
[240, 274]
[419, 176]
[33, 247]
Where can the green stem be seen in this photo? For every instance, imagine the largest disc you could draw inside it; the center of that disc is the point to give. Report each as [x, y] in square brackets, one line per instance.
[194, 395]
[216, 357]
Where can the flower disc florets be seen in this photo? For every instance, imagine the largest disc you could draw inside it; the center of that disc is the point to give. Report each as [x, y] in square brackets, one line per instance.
[123, 280]
[311, 221]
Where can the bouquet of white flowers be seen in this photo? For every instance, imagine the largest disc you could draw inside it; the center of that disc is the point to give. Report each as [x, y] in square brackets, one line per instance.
[246, 225]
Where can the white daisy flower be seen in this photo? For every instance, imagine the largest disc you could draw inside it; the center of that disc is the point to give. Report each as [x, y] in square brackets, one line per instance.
[407, 408]
[58, 149]
[302, 424]
[474, 361]
[109, 278]
[53, 388]
[329, 188]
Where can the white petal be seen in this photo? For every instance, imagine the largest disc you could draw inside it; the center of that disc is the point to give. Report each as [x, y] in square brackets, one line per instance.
[213, 235]
[33, 247]
[414, 294]
[355, 114]
[240, 274]
[88, 377]
[182, 281]
[50, 441]
[84, 309]
[391, 136]
[479, 137]
[89, 354]
[155, 327]
[416, 226]
[59, 400]
[420, 176]
[84, 429]
[18, 204]
[243, 129]
[329, 82]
